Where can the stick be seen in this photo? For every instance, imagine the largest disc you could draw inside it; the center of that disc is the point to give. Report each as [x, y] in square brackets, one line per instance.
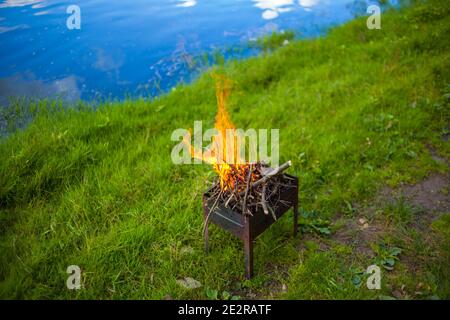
[273, 214]
[263, 200]
[272, 173]
[211, 210]
[229, 199]
[250, 171]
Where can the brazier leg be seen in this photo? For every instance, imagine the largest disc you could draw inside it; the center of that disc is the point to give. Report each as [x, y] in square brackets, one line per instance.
[295, 219]
[206, 235]
[248, 248]
[248, 253]
[206, 230]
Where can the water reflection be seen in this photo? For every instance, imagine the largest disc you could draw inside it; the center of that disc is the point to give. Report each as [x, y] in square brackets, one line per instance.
[28, 86]
[6, 29]
[108, 61]
[308, 4]
[273, 8]
[357, 8]
[186, 3]
[21, 3]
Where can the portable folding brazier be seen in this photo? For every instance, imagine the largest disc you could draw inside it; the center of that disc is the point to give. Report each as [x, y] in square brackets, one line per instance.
[247, 227]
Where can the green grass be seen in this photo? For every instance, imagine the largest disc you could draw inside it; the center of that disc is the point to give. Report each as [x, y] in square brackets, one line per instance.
[357, 110]
[273, 40]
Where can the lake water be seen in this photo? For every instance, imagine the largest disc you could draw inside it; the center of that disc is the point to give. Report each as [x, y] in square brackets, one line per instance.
[140, 47]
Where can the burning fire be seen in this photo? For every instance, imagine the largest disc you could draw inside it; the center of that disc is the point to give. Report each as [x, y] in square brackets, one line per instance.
[223, 155]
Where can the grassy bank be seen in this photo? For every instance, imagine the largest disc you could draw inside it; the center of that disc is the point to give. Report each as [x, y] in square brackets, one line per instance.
[359, 111]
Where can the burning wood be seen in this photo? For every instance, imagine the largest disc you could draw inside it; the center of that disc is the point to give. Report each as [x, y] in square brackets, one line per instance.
[255, 186]
[242, 186]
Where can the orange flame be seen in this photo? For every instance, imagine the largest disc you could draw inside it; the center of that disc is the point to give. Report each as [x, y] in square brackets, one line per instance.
[222, 154]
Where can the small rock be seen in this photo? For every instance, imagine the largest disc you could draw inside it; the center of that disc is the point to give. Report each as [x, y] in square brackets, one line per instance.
[397, 294]
[189, 283]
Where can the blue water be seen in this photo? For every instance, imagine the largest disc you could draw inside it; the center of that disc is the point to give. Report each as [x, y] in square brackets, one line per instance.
[140, 47]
